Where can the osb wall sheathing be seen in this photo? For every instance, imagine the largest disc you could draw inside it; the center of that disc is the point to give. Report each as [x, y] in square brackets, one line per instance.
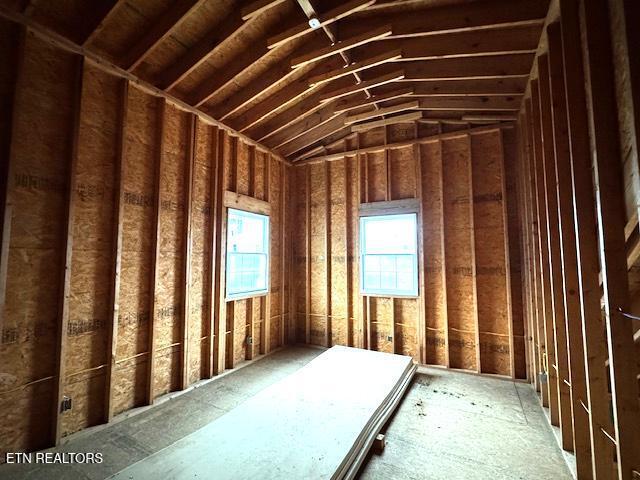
[170, 261]
[468, 299]
[92, 260]
[40, 155]
[491, 262]
[38, 179]
[138, 183]
[459, 253]
[510, 152]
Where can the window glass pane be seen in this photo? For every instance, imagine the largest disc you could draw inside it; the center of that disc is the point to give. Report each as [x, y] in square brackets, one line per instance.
[372, 280]
[387, 263]
[404, 263]
[372, 263]
[388, 280]
[390, 234]
[247, 253]
[405, 280]
[388, 246]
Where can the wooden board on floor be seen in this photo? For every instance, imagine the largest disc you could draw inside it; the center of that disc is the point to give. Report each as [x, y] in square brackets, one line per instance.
[362, 387]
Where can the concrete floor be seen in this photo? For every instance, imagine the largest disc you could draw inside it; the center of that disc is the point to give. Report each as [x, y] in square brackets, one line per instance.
[450, 425]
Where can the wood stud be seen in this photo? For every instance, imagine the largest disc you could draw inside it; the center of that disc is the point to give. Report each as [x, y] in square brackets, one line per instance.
[118, 208]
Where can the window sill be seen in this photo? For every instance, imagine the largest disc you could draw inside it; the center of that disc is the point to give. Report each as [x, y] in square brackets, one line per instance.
[382, 295]
[246, 296]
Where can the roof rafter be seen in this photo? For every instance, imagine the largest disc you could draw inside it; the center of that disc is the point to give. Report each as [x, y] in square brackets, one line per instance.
[505, 103]
[450, 18]
[317, 118]
[495, 66]
[280, 121]
[313, 135]
[161, 29]
[265, 82]
[257, 7]
[198, 54]
[277, 101]
[477, 87]
[94, 26]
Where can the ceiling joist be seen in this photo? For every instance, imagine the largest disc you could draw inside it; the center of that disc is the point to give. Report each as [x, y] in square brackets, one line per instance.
[341, 46]
[382, 80]
[384, 57]
[401, 107]
[349, 104]
[327, 18]
[404, 118]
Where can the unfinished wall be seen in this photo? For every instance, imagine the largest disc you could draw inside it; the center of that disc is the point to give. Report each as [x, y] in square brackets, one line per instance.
[577, 174]
[111, 249]
[464, 317]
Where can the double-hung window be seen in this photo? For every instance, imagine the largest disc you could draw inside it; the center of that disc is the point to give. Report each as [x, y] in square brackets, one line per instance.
[389, 255]
[247, 272]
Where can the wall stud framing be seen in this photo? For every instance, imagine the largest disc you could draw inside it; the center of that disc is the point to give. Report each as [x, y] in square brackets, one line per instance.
[250, 325]
[117, 250]
[422, 338]
[601, 110]
[307, 224]
[213, 248]
[472, 233]
[543, 258]
[359, 312]
[67, 249]
[507, 261]
[7, 169]
[347, 249]
[265, 345]
[537, 299]
[283, 251]
[327, 254]
[161, 106]
[581, 445]
[221, 229]
[553, 246]
[187, 238]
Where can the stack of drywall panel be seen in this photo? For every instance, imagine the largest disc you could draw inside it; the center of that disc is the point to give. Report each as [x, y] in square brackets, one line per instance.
[317, 423]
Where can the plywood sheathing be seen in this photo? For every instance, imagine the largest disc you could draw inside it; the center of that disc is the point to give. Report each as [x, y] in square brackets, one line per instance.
[35, 244]
[42, 133]
[448, 325]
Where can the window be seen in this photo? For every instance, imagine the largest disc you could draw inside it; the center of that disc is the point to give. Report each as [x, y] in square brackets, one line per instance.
[388, 255]
[247, 254]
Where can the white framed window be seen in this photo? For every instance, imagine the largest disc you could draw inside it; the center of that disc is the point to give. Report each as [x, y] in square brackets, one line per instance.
[247, 272]
[389, 255]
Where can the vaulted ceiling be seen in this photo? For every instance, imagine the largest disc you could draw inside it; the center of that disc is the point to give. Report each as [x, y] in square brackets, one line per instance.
[262, 69]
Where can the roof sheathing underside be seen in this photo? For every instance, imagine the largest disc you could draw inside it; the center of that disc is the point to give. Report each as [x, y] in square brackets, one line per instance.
[420, 60]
